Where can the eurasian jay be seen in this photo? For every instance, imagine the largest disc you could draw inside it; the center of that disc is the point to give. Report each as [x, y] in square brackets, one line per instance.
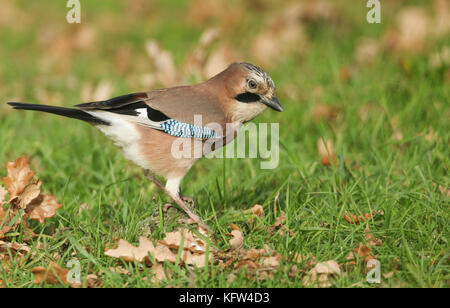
[146, 124]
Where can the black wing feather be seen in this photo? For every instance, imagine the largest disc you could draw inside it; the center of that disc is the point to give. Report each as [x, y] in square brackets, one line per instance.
[128, 105]
[116, 102]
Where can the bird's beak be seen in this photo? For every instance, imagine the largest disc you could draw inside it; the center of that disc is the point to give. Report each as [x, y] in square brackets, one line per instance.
[272, 103]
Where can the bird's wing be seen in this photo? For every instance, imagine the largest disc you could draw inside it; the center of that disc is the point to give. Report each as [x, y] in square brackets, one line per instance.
[184, 102]
[170, 110]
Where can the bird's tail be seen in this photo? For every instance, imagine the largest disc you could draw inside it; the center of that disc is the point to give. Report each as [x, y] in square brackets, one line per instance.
[62, 111]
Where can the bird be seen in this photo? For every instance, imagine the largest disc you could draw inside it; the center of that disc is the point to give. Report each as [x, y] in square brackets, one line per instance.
[146, 125]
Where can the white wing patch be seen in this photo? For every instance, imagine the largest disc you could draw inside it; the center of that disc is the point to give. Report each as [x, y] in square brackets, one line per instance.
[142, 112]
[141, 118]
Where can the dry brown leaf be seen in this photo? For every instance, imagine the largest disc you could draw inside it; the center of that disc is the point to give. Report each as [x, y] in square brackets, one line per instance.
[280, 220]
[325, 112]
[219, 60]
[2, 215]
[14, 248]
[366, 51]
[18, 176]
[166, 73]
[231, 278]
[258, 210]
[92, 281]
[25, 194]
[293, 272]
[43, 207]
[103, 91]
[346, 74]
[196, 60]
[225, 13]
[130, 253]
[4, 229]
[283, 34]
[326, 152]
[441, 19]
[197, 260]
[415, 27]
[234, 227]
[442, 189]
[3, 193]
[388, 275]
[353, 219]
[238, 239]
[361, 252]
[191, 241]
[254, 253]
[370, 238]
[320, 274]
[278, 225]
[159, 274]
[30, 193]
[52, 274]
[272, 261]
[328, 267]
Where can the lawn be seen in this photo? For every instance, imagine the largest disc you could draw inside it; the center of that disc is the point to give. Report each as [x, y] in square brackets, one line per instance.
[378, 96]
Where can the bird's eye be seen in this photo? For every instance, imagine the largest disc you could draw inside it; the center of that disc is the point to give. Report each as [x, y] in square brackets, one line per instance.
[252, 84]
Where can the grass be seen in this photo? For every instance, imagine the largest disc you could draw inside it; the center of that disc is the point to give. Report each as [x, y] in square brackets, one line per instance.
[79, 165]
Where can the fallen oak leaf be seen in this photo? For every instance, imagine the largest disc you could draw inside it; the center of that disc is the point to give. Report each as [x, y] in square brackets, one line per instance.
[197, 260]
[238, 239]
[52, 274]
[370, 238]
[272, 261]
[254, 253]
[320, 273]
[327, 112]
[278, 224]
[159, 274]
[18, 175]
[234, 227]
[4, 230]
[130, 253]
[3, 193]
[43, 207]
[353, 219]
[164, 63]
[326, 152]
[361, 252]
[14, 248]
[92, 281]
[191, 242]
[257, 209]
[30, 193]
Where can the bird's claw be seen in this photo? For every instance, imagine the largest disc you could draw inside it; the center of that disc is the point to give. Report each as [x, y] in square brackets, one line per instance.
[189, 200]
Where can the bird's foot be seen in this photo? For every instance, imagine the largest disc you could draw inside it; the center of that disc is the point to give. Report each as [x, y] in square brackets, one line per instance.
[192, 215]
[189, 200]
[179, 200]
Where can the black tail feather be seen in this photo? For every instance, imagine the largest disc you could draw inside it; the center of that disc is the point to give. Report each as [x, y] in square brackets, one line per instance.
[62, 111]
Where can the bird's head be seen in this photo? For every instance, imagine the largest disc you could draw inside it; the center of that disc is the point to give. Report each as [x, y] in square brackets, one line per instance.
[249, 90]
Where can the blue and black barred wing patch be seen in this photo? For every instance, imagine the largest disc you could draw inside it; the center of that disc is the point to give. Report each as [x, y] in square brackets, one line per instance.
[185, 130]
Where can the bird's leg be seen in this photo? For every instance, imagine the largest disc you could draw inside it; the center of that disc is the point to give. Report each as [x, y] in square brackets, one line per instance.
[189, 200]
[151, 177]
[176, 197]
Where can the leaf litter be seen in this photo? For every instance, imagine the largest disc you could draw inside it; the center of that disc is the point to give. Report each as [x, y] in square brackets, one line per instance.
[25, 202]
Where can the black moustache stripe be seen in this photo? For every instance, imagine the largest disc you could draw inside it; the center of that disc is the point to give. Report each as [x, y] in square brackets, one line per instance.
[247, 97]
